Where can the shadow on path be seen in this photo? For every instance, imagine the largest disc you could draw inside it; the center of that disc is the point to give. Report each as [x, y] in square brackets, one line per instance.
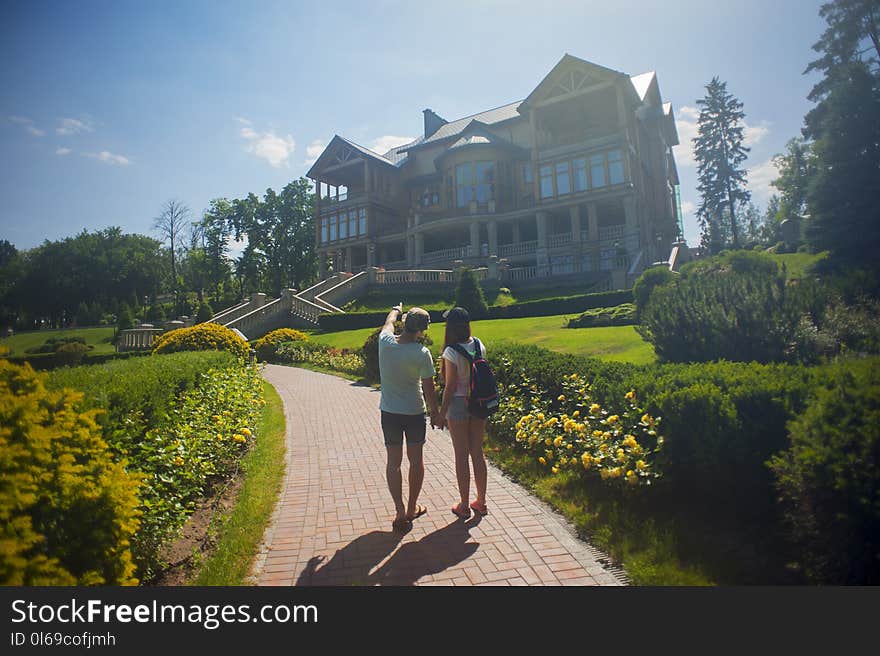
[352, 564]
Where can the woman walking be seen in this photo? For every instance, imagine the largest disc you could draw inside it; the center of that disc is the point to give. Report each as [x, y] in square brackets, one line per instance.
[466, 430]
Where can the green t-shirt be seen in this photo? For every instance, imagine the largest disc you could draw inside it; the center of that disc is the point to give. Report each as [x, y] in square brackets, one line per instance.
[401, 370]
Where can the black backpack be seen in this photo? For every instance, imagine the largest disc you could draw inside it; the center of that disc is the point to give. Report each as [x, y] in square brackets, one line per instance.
[483, 392]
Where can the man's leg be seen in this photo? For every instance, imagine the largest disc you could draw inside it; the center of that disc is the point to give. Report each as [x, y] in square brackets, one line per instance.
[416, 476]
[394, 478]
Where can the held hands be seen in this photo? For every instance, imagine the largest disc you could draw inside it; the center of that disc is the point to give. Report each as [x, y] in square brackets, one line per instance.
[438, 421]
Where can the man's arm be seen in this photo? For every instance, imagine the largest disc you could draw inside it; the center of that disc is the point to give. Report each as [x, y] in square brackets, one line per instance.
[393, 316]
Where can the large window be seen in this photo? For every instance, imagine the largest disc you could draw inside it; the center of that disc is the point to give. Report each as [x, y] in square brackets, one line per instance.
[580, 174]
[352, 223]
[464, 184]
[546, 182]
[324, 226]
[615, 167]
[563, 179]
[362, 219]
[597, 170]
[485, 181]
[333, 228]
[343, 226]
[527, 173]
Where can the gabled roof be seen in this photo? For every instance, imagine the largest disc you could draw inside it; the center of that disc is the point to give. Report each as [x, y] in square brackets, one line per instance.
[568, 61]
[477, 133]
[642, 83]
[361, 149]
[489, 117]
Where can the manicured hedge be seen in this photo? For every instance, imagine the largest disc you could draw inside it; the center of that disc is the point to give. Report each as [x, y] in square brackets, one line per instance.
[619, 315]
[543, 308]
[561, 305]
[48, 361]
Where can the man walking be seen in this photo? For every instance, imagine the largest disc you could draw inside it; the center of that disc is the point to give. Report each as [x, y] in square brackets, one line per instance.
[406, 371]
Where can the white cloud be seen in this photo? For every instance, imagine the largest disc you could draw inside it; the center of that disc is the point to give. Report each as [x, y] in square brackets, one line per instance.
[759, 178]
[235, 247]
[74, 126]
[686, 125]
[267, 145]
[385, 143]
[687, 207]
[27, 124]
[314, 150]
[109, 158]
[61, 152]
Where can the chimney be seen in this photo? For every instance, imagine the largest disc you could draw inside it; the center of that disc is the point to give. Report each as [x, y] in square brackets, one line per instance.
[432, 122]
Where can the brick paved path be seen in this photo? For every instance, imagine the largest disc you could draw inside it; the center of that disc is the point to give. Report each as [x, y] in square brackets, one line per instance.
[332, 524]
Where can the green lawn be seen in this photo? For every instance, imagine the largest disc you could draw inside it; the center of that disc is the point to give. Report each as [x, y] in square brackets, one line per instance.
[617, 343]
[100, 338]
[796, 263]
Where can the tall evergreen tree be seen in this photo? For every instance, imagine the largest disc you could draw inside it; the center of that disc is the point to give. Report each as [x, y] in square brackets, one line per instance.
[796, 168]
[719, 151]
[845, 213]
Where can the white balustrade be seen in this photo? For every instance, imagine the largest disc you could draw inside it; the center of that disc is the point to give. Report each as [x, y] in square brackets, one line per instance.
[521, 248]
[415, 276]
[561, 239]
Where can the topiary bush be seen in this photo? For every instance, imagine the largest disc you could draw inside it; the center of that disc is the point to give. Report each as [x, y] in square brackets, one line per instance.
[205, 313]
[67, 511]
[829, 479]
[620, 315]
[70, 354]
[267, 346]
[202, 337]
[469, 294]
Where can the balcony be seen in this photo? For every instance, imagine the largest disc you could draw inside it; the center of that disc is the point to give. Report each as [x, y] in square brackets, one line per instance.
[522, 248]
[447, 254]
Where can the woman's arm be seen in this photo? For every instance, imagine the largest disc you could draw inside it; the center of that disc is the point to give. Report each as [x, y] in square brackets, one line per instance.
[448, 386]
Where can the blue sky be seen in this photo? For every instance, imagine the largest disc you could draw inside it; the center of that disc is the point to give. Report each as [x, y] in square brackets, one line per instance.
[109, 109]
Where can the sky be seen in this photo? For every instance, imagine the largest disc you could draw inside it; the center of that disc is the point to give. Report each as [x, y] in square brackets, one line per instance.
[110, 108]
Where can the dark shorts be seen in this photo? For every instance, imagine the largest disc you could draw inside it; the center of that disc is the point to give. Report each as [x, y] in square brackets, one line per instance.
[394, 427]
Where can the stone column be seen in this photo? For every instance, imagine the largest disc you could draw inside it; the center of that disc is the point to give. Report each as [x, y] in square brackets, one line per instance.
[348, 266]
[371, 255]
[475, 239]
[257, 300]
[493, 238]
[420, 247]
[542, 257]
[410, 249]
[287, 298]
[575, 212]
[593, 223]
[631, 231]
[516, 235]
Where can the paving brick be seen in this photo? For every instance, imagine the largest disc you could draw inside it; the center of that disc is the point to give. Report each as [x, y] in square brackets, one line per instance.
[335, 505]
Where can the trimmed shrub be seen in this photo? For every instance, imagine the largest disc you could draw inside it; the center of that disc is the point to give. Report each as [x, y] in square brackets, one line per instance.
[332, 323]
[647, 282]
[829, 480]
[268, 344]
[469, 294]
[321, 355]
[205, 313]
[70, 354]
[67, 510]
[202, 337]
[734, 307]
[621, 315]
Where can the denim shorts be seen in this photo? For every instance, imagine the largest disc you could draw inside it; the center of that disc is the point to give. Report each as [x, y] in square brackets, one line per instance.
[394, 426]
[458, 409]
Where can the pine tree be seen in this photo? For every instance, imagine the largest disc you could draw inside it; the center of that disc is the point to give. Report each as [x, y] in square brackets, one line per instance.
[719, 152]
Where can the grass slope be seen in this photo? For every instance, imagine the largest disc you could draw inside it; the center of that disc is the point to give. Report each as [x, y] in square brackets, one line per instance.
[617, 343]
[98, 337]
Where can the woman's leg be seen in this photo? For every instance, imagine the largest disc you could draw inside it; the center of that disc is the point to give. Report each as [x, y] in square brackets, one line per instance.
[476, 429]
[458, 429]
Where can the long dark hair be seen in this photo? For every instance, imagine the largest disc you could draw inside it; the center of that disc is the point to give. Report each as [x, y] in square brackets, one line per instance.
[456, 333]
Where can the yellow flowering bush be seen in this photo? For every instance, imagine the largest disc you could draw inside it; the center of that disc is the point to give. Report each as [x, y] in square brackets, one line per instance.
[202, 337]
[268, 344]
[577, 434]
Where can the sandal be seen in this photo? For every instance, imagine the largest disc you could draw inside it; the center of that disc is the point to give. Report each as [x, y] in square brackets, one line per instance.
[479, 508]
[420, 510]
[461, 511]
